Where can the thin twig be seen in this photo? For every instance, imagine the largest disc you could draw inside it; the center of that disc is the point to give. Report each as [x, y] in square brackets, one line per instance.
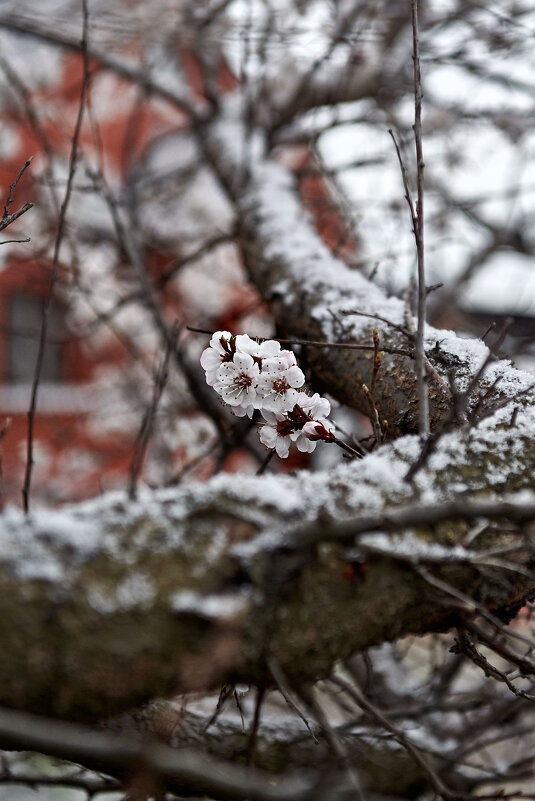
[8, 218]
[336, 743]
[377, 359]
[347, 448]
[283, 688]
[5, 221]
[423, 396]
[260, 693]
[55, 262]
[348, 312]
[263, 467]
[3, 431]
[360, 699]
[224, 694]
[15, 241]
[466, 646]
[374, 415]
[147, 424]
[317, 343]
[9, 199]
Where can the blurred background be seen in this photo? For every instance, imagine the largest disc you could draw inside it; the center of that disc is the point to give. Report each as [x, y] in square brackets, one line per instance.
[150, 236]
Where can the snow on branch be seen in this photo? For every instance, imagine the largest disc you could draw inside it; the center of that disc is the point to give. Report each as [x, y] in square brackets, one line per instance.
[184, 589]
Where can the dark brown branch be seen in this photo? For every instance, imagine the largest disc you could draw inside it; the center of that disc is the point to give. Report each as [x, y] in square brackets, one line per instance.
[412, 515]
[184, 771]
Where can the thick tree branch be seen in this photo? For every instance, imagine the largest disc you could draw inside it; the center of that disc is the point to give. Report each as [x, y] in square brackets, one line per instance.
[184, 590]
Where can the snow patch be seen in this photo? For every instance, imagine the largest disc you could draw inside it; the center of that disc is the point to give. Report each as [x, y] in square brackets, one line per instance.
[210, 606]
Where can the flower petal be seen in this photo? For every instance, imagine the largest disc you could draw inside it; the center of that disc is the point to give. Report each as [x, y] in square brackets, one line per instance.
[244, 361]
[295, 376]
[244, 344]
[306, 445]
[215, 342]
[269, 349]
[283, 447]
[268, 436]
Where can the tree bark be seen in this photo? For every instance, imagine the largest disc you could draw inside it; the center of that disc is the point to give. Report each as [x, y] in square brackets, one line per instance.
[112, 602]
[109, 603]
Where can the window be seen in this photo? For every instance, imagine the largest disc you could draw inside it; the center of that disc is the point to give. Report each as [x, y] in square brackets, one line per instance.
[24, 327]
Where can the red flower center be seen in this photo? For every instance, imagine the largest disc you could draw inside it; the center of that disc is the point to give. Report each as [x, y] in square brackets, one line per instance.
[280, 385]
[243, 380]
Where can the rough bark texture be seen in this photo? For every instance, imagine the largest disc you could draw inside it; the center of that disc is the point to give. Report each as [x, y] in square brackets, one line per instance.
[113, 602]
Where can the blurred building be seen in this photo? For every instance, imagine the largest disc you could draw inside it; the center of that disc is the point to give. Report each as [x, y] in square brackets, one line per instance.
[90, 397]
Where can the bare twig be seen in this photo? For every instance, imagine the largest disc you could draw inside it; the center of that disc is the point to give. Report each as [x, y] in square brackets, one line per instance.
[55, 262]
[15, 241]
[374, 415]
[3, 431]
[147, 423]
[360, 699]
[334, 740]
[285, 691]
[263, 467]
[465, 645]
[423, 399]
[315, 343]
[397, 327]
[251, 744]
[8, 218]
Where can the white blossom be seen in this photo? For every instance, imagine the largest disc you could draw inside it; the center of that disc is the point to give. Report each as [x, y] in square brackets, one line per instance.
[250, 375]
[278, 384]
[268, 349]
[283, 428]
[279, 432]
[314, 405]
[237, 380]
[216, 354]
[273, 433]
[242, 411]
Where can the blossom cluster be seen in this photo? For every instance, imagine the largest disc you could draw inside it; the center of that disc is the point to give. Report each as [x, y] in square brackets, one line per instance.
[250, 375]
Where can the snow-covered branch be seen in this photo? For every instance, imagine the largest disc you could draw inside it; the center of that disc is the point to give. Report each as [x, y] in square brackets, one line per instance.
[184, 589]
